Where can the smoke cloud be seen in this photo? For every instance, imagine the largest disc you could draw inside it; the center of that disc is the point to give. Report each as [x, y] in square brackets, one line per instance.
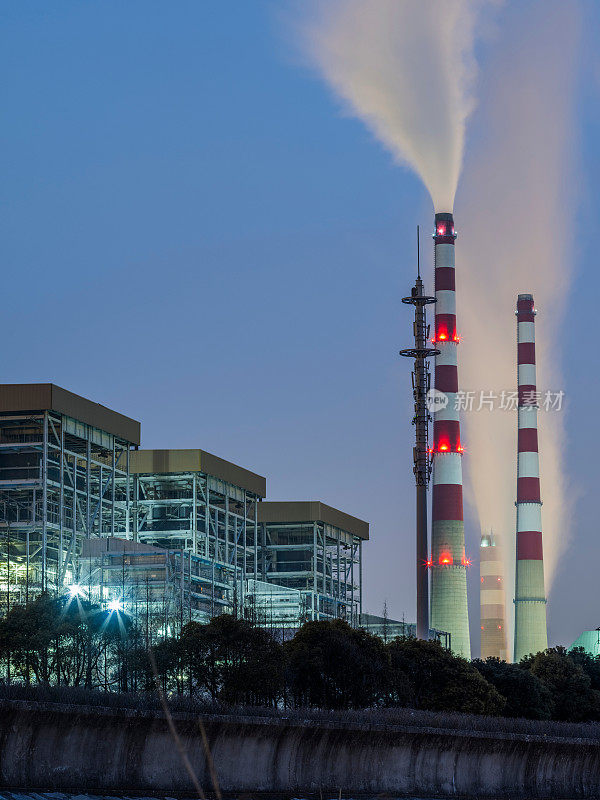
[405, 67]
[514, 215]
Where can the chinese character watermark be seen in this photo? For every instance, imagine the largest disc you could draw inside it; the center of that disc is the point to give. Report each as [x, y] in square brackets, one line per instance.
[490, 400]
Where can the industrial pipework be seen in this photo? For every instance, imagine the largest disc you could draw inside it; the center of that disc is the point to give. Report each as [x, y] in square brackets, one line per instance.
[531, 634]
[449, 563]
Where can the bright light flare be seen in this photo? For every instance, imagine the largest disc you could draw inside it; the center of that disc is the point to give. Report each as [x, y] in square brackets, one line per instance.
[75, 590]
[115, 605]
[446, 558]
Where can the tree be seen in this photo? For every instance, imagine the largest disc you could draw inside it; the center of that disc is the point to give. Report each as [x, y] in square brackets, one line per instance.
[525, 694]
[331, 665]
[31, 635]
[255, 676]
[232, 660]
[589, 664]
[439, 680]
[570, 687]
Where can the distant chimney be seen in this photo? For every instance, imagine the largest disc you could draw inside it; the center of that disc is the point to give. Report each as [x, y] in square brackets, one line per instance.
[491, 597]
[530, 599]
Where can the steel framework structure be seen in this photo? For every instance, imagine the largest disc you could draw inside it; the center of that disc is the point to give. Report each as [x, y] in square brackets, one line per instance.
[184, 507]
[317, 558]
[160, 589]
[62, 480]
[196, 513]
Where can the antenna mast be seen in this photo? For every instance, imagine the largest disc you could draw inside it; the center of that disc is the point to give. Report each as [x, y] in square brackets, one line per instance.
[421, 380]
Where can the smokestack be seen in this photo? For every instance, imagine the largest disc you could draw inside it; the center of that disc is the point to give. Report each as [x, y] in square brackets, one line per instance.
[531, 634]
[491, 596]
[448, 561]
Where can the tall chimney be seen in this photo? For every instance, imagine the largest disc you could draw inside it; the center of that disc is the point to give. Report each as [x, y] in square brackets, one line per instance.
[530, 600]
[448, 561]
[491, 597]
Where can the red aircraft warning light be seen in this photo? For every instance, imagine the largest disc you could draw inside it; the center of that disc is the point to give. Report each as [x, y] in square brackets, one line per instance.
[446, 558]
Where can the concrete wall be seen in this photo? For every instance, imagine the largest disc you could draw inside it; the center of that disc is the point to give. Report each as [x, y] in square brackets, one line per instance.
[93, 750]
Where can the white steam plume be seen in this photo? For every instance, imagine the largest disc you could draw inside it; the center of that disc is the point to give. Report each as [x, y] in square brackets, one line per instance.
[406, 68]
[515, 216]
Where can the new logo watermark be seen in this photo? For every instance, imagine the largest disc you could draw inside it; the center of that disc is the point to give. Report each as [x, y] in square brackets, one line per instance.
[436, 400]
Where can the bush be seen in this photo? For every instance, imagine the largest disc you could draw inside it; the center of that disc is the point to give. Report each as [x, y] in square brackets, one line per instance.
[440, 681]
[331, 665]
[525, 694]
[572, 696]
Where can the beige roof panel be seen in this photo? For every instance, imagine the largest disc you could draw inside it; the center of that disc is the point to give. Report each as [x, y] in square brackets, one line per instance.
[19, 397]
[168, 461]
[312, 511]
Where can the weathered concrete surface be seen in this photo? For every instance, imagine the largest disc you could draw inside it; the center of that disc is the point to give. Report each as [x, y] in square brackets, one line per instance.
[56, 747]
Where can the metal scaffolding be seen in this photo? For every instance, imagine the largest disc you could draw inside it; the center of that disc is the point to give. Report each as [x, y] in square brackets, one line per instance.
[160, 589]
[63, 479]
[194, 502]
[316, 550]
[171, 535]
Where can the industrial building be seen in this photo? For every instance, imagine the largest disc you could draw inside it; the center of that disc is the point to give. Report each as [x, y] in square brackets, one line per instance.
[589, 641]
[195, 502]
[162, 589]
[64, 477]
[316, 550]
[388, 629]
[166, 535]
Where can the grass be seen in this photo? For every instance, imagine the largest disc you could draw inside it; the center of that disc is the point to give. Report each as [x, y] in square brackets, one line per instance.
[389, 718]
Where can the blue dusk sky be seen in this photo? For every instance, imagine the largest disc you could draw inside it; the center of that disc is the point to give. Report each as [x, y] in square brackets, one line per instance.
[194, 235]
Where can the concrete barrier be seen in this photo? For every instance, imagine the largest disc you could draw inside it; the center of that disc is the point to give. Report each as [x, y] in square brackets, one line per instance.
[108, 751]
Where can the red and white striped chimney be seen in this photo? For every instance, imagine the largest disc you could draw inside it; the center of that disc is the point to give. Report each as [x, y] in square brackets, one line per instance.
[449, 610]
[530, 599]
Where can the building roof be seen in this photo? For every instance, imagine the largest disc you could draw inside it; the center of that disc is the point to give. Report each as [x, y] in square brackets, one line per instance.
[590, 641]
[312, 511]
[33, 397]
[146, 462]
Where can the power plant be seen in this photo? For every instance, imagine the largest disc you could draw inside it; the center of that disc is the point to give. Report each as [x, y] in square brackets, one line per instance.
[168, 535]
[448, 561]
[530, 599]
[491, 596]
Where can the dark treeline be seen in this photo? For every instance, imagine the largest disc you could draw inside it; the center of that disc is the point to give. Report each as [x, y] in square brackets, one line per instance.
[326, 665]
